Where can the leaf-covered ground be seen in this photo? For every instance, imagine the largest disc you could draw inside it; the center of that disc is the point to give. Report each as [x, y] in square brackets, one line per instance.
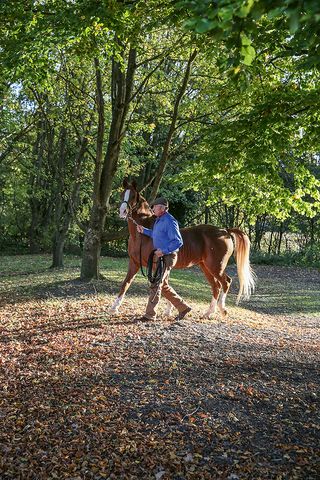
[87, 395]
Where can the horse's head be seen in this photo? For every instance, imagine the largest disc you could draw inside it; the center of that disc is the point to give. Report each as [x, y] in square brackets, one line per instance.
[130, 198]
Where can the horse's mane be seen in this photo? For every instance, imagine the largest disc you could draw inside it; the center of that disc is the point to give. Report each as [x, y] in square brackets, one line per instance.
[143, 211]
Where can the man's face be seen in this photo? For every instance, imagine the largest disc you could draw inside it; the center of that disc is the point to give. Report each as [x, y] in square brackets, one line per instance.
[158, 210]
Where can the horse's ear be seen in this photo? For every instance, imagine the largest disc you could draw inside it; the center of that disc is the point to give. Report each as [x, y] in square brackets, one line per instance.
[125, 183]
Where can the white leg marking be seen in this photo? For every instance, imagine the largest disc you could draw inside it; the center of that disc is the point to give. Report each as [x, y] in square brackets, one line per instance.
[212, 308]
[222, 304]
[168, 310]
[116, 304]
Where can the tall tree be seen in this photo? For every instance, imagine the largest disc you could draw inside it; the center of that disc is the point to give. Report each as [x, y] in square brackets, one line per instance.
[121, 92]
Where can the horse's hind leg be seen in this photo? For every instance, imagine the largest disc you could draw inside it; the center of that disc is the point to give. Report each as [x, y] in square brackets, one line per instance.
[215, 287]
[225, 282]
[219, 298]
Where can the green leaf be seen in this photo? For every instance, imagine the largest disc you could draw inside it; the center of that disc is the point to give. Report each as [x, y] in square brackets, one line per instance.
[204, 25]
[245, 9]
[225, 14]
[294, 22]
[244, 39]
[248, 53]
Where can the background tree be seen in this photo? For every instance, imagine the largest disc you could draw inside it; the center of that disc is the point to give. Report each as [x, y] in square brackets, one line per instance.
[92, 92]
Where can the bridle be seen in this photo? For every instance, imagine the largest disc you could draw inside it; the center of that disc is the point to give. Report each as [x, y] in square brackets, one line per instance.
[131, 210]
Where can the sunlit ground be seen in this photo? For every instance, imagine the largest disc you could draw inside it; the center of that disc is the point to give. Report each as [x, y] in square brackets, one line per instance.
[86, 394]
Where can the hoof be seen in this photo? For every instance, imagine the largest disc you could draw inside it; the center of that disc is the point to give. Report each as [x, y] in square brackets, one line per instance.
[113, 310]
[224, 313]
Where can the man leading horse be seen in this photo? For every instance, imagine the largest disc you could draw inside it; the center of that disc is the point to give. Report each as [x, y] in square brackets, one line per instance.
[207, 246]
[167, 241]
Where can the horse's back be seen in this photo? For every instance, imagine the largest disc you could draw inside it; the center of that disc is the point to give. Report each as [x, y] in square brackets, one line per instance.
[202, 241]
[205, 229]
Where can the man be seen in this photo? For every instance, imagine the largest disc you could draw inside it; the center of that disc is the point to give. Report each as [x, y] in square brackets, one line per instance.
[167, 241]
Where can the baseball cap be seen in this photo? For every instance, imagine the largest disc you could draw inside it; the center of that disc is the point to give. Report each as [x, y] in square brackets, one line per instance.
[160, 201]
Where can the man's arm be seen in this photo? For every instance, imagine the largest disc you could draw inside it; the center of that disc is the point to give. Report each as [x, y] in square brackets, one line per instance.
[145, 231]
[174, 237]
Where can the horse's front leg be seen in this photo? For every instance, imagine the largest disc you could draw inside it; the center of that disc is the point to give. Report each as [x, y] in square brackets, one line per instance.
[132, 270]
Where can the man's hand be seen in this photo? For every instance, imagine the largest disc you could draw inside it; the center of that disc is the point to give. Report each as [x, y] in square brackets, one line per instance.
[159, 253]
[140, 228]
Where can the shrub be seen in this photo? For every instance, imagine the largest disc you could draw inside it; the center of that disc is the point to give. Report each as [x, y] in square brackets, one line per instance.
[308, 257]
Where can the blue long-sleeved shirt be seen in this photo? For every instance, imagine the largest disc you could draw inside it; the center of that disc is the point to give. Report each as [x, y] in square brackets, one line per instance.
[165, 234]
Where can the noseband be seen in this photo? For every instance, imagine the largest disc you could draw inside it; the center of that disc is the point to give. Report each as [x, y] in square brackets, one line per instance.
[131, 209]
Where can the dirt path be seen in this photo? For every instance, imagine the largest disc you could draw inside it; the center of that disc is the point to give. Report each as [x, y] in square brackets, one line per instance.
[89, 396]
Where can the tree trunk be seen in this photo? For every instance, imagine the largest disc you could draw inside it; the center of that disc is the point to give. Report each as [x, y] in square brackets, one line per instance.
[270, 241]
[57, 249]
[121, 91]
[63, 210]
[59, 178]
[280, 238]
[92, 238]
[35, 203]
[259, 231]
[92, 245]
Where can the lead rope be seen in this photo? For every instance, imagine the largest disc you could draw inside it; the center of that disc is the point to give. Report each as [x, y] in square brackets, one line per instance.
[141, 268]
[156, 278]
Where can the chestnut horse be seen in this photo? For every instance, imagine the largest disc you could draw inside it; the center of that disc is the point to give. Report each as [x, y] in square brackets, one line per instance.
[204, 245]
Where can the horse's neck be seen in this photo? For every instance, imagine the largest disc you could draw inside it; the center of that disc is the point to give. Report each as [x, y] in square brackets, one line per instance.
[132, 228]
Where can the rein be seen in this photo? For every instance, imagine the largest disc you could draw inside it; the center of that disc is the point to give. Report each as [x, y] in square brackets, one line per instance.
[156, 277]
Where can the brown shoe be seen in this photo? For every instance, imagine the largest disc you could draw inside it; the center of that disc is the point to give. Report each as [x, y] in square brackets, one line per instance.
[182, 314]
[143, 319]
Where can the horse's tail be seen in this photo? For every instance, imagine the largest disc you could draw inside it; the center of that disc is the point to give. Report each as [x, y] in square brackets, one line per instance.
[245, 273]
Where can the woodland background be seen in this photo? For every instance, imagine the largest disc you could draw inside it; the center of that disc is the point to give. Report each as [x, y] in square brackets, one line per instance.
[212, 104]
